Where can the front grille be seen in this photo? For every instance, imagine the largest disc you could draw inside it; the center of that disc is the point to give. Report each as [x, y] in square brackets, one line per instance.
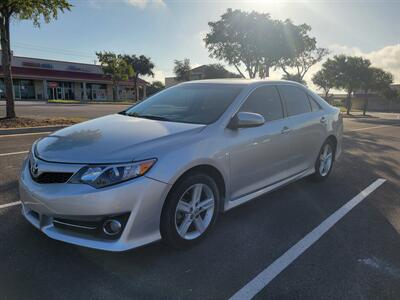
[52, 177]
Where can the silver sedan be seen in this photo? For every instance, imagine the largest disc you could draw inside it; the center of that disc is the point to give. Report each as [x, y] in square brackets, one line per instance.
[168, 166]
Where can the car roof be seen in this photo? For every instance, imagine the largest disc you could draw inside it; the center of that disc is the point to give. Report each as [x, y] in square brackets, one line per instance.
[241, 81]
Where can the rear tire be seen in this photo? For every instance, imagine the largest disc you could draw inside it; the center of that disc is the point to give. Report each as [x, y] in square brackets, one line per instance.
[190, 210]
[324, 162]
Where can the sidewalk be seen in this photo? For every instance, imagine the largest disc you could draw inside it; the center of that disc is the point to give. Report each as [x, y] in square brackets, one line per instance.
[17, 103]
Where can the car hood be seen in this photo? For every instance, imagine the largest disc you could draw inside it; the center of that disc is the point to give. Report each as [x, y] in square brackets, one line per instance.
[110, 139]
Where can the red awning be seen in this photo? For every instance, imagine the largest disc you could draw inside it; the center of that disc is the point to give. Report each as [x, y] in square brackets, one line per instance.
[33, 73]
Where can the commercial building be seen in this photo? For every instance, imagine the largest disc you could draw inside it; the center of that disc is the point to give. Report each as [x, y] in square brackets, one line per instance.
[203, 72]
[43, 79]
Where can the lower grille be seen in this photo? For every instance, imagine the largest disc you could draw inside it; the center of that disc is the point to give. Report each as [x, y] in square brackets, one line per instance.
[92, 226]
[52, 177]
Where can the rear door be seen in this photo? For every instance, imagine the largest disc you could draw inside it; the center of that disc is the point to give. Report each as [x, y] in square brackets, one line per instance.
[307, 128]
[258, 155]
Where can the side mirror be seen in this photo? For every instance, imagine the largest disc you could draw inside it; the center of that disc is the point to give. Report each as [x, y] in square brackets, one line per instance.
[246, 120]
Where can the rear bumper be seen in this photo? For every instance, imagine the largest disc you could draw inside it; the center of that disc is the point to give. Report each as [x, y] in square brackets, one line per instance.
[141, 199]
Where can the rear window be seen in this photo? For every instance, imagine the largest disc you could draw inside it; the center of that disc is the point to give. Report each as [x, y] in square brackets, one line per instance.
[314, 104]
[296, 100]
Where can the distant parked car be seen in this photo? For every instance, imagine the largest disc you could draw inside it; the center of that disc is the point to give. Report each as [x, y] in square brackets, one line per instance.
[166, 167]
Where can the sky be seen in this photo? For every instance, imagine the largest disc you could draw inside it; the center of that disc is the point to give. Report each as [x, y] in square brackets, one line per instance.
[168, 30]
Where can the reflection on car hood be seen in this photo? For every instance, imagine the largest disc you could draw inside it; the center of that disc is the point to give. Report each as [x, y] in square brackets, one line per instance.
[109, 139]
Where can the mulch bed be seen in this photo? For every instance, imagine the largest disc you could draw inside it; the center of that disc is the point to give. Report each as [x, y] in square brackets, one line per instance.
[36, 122]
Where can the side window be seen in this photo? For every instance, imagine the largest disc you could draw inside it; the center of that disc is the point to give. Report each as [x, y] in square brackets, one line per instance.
[264, 101]
[295, 99]
[314, 104]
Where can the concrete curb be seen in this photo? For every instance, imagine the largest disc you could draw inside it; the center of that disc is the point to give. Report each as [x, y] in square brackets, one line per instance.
[24, 130]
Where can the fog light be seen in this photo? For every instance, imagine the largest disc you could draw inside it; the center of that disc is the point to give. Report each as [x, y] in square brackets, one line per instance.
[112, 227]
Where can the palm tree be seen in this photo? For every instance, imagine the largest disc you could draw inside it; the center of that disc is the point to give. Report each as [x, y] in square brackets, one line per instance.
[142, 65]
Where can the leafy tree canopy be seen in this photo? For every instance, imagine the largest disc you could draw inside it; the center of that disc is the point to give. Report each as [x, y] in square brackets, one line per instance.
[257, 42]
[325, 78]
[212, 71]
[142, 65]
[33, 9]
[116, 67]
[182, 69]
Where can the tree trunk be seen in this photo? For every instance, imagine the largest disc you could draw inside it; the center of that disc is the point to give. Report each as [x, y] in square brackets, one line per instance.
[136, 79]
[365, 107]
[266, 71]
[115, 92]
[240, 72]
[327, 96]
[348, 104]
[6, 65]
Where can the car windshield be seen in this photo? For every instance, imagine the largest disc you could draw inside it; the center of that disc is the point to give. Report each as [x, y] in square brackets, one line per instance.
[188, 103]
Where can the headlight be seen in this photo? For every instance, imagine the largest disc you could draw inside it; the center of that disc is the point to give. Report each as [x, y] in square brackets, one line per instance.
[100, 176]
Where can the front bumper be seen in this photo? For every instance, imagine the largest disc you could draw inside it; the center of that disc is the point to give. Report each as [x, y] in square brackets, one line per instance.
[141, 198]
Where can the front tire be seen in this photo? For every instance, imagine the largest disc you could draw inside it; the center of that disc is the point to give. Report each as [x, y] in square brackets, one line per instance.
[324, 162]
[190, 210]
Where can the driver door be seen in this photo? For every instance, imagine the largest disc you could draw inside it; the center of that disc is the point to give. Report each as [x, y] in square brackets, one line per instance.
[258, 155]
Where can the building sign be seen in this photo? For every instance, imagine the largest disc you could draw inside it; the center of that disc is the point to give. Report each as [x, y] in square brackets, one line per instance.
[76, 68]
[37, 65]
[52, 84]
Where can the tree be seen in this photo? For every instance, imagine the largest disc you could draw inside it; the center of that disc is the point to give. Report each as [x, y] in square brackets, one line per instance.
[375, 80]
[182, 69]
[116, 67]
[155, 87]
[258, 42]
[301, 50]
[302, 61]
[294, 77]
[142, 66]
[35, 10]
[253, 40]
[212, 71]
[349, 74]
[325, 78]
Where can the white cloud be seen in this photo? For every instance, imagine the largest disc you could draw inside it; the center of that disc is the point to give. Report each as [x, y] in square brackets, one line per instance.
[159, 75]
[144, 3]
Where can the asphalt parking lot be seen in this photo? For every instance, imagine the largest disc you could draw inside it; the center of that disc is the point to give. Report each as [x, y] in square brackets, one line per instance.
[357, 258]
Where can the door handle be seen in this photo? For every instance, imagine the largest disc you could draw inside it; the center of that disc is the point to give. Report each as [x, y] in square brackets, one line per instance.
[285, 130]
[323, 120]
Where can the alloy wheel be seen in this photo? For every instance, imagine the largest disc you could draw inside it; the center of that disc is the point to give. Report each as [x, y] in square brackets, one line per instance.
[194, 211]
[325, 160]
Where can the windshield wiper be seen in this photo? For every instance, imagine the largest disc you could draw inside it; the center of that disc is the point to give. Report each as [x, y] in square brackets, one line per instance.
[151, 117]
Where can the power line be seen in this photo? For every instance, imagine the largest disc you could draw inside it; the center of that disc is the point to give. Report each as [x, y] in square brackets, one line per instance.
[52, 50]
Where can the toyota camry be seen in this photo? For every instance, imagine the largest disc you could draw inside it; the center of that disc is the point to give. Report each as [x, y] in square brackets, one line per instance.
[168, 166]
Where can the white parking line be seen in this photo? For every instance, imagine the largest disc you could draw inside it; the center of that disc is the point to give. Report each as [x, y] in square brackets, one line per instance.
[10, 204]
[13, 153]
[368, 128]
[23, 134]
[265, 277]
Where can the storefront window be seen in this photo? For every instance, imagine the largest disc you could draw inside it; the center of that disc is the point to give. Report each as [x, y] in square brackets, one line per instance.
[23, 89]
[126, 93]
[60, 90]
[95, 92]
[2, 89]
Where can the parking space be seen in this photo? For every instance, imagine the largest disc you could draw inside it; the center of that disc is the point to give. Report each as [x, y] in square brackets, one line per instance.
[358, 258]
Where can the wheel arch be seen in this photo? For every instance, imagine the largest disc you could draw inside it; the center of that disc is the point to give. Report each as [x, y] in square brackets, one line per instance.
[334, 141]
[206, 169]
